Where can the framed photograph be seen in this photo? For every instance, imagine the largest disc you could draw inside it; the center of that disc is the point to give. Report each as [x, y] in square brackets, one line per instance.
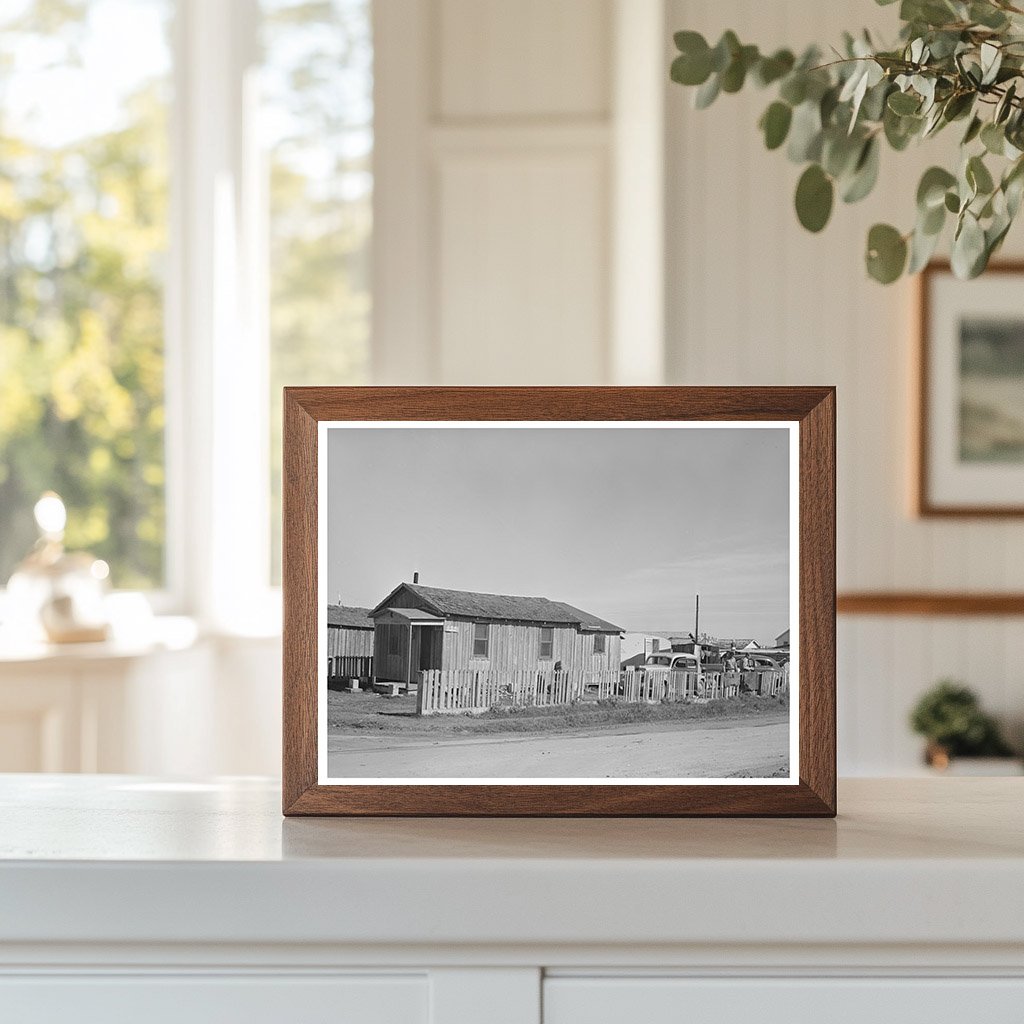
[559, 601]
[970, 451]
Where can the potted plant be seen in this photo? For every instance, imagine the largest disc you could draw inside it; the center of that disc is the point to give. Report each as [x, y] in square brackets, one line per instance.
[950, 718]
[956, 62]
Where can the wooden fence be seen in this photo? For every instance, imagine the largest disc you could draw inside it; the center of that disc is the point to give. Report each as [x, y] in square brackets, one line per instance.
[444, 691]
[349, 666]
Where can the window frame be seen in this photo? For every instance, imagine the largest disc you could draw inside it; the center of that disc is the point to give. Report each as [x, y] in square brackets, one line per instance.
[549, 643]
[486, 626]
[604, 643]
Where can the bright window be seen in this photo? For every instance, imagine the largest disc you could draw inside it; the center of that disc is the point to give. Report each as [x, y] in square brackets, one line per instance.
[317, 118]
[83, 237]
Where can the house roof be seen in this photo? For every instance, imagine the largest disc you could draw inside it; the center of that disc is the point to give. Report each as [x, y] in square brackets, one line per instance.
[416, 616]
[504, 607]
[350, 618]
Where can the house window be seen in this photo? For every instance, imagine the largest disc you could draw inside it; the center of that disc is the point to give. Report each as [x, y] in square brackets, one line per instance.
[481, 639]
[599, 643]
[547, 641]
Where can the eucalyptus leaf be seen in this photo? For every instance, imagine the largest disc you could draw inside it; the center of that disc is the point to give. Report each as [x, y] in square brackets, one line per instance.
[805, 133]
[775, 124]
[978, 176]
[931, 190]
[865, 173]
[707, 93]
[993, 138]
[886, 253]
[968, 248]
[922, 247]
[903, 103]
[814, 196]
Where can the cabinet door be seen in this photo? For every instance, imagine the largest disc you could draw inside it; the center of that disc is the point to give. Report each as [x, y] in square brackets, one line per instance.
[205, 999]
[677, 1000]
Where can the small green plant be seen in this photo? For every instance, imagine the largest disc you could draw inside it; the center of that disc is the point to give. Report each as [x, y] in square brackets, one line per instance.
[950, 717]
[956, 61]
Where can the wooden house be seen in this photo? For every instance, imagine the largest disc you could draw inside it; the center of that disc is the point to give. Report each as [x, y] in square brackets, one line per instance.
[421, 628]
[349, 642]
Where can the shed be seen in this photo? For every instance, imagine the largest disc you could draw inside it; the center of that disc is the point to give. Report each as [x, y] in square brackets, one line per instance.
[421, 628]
[349, 641]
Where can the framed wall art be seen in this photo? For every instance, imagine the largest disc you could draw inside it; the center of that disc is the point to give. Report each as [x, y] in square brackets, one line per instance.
[970, 445]
[559, 601]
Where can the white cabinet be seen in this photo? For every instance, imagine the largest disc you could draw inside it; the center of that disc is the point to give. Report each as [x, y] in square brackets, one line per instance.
[829, 1000]
[131, 900]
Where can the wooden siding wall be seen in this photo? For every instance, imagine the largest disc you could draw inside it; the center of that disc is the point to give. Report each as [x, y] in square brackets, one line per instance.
[345, 642]
[515, 646]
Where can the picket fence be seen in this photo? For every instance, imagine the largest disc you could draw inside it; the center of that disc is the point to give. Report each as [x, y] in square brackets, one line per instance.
[444, 691]
[349, 666]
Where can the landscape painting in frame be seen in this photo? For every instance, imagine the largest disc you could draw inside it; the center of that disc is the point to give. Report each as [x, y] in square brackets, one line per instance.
[972, 393]
[557, 603]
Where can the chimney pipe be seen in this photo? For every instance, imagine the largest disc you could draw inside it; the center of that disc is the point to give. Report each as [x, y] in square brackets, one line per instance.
[415, 577]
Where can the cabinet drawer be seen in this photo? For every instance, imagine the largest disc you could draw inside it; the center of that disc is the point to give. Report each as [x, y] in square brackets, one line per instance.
[202, 999]
[660, 1000]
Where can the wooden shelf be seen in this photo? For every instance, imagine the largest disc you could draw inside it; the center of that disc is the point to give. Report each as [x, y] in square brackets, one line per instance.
[928, 603]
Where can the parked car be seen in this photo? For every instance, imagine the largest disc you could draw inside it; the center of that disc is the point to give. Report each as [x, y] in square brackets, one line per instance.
[670, 660]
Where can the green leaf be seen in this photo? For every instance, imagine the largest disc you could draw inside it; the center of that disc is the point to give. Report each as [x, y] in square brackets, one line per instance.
[978, 176]
[904, 103]
[805, 133]
[725, 49]
[814, 195]
[973, 130]
[775, 124]
[735, 74]
[922, 247]
[693, 65]
[931, 191]
[993, 138]
[839, 151]
[969, 254]
[707, 93]
[952, 202]
[865, 173]
[987, 15]
[771, 69]
[1005, 104]
[886, 254]
[794, 89]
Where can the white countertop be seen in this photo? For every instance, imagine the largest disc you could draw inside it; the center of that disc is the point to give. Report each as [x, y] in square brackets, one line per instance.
[121, 859]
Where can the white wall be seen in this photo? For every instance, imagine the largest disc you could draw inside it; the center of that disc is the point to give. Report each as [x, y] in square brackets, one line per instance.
[754, 299]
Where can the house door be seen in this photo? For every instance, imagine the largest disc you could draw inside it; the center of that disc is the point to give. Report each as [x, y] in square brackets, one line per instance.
[431, 639]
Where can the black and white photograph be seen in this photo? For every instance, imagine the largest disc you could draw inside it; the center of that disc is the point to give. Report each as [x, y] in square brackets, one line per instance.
[567, 602]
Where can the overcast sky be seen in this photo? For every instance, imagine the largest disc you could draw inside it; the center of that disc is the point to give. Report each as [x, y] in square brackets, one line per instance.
[627, 524]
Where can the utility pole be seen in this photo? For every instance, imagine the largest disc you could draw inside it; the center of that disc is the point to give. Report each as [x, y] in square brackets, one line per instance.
[696, 637]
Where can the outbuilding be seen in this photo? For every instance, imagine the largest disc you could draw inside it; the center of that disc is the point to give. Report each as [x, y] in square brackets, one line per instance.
[349, 642]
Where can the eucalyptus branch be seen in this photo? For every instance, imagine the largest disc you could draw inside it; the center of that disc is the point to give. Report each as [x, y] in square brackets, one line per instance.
[955, 61]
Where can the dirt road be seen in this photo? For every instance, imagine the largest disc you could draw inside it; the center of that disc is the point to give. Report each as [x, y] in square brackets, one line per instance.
[756, 749]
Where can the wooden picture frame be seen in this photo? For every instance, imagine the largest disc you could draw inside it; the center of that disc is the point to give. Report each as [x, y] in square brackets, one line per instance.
[810, 792]
[941, 490]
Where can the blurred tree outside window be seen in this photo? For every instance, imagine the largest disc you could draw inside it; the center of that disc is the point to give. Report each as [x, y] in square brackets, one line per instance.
[83, 237]
[317, 121]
